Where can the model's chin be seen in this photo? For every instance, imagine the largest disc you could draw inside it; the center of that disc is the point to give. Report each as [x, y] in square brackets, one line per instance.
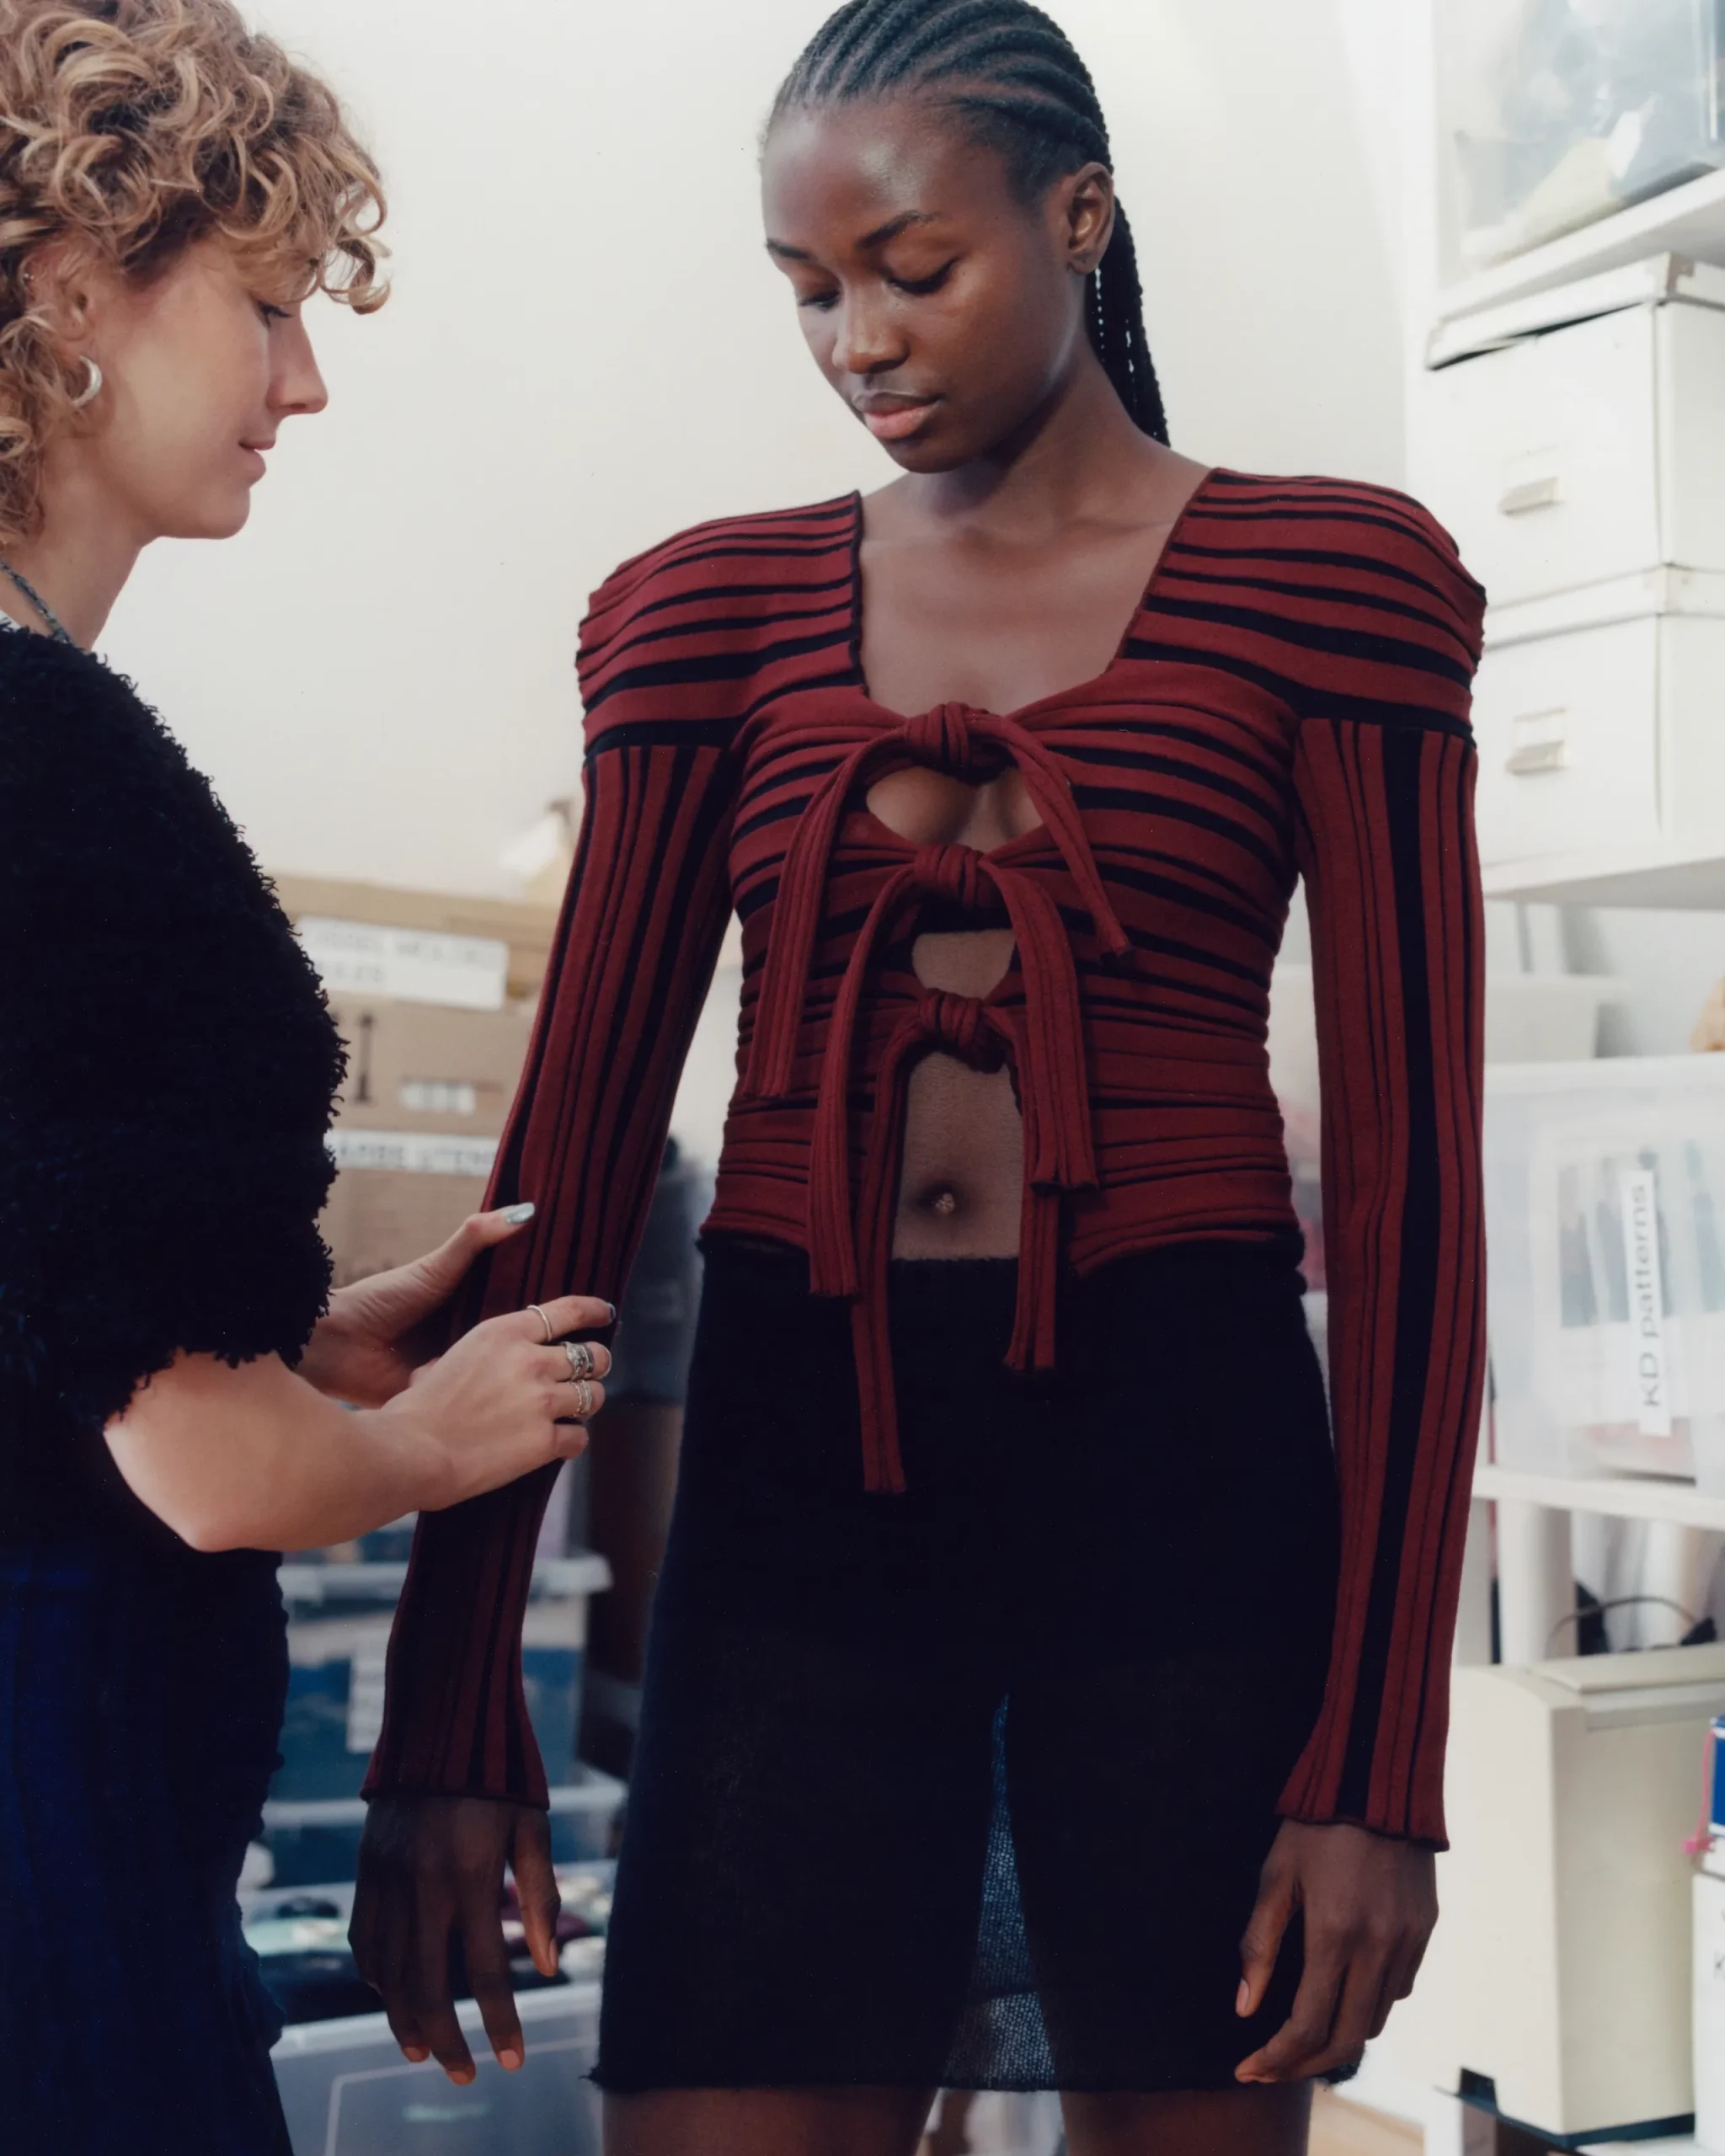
[927, 454]
[219, 518]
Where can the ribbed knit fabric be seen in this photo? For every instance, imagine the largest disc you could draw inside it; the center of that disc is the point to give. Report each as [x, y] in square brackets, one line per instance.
[1290, 699]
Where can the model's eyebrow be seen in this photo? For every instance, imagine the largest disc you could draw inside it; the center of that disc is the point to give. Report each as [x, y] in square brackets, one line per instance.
[878, 238]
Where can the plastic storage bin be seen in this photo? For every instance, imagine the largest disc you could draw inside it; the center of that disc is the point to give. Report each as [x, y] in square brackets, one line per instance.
[347, 2091]
[1605, 1187]
[339, 1617]
[1553, 113]
[320, 1839]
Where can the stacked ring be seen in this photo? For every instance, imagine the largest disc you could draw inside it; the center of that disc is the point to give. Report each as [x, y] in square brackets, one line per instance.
[583, 1363]
[583, 1399]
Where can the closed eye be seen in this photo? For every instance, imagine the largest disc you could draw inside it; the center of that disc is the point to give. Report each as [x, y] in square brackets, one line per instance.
[918, 287]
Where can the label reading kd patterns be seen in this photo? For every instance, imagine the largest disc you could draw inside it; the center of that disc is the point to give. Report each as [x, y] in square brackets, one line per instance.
[1638, 1191]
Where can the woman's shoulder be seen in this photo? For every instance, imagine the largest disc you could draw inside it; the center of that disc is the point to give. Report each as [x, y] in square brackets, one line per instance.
[1361, 537]
[68, 719]
[709, 597]
[116, 850]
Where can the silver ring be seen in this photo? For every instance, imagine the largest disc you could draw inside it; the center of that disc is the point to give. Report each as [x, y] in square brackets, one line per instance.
[584, 1400]
[583, 1363]
[550, 1335]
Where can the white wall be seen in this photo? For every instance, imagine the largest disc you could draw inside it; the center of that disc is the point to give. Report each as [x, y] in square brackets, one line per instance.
[587, 349]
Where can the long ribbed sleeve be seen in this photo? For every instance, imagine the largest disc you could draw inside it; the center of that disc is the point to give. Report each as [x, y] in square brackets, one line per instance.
[642, 924]
[1385, 834]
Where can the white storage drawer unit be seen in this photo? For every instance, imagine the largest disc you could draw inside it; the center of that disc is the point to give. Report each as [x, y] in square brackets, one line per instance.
[1601, 737]
[1589, 452]
[1561, 1966]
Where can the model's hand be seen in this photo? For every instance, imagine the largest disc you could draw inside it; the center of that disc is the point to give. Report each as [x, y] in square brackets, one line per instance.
[378, 1331]
[431, 1873]
[1368, 1905]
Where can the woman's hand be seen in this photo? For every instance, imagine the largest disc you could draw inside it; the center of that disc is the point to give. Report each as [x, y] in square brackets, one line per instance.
[501, 1403]
[431, 1873]
[1368, 1905]
[378, 1331]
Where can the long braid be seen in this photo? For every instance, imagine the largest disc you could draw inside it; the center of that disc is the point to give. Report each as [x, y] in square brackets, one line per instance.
[1013, 73]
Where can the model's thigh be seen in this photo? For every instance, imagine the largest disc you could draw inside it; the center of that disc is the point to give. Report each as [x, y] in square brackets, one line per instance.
[1211, 2122]
[801, 1873]
[767, 2122]
[1143, 1800]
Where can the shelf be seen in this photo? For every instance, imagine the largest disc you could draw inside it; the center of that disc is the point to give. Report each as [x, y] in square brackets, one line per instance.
[1688, 220]
[1683, 2145]
[1629, 876]
[1626, 1498]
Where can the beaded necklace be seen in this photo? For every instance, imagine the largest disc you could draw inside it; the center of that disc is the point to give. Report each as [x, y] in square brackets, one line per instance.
[56, 627]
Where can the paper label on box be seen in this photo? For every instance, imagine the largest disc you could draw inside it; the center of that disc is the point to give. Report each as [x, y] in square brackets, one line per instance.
[1639, 1189]
[413, 964]
[364, 1698]
[414, 1152]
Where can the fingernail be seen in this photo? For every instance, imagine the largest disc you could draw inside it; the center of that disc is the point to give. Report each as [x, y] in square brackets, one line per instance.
[509, 2061]
[1242, 1997]
[518, 1215]
[462, 2075]
[612, 1307]
[415, 2052]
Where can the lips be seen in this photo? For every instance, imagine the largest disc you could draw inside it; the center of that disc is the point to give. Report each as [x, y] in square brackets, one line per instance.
[895, 419]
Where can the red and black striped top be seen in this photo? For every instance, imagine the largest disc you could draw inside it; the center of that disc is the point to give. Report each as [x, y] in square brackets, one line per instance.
[1290, 699]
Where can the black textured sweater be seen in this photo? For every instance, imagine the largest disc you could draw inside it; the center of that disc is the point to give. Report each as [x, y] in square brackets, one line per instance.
[166, 1069]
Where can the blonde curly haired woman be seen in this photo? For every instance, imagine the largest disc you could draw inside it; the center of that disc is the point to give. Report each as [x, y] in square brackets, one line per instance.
[172, 1366]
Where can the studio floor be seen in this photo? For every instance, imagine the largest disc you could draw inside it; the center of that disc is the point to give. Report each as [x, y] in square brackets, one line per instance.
[1340, 2128]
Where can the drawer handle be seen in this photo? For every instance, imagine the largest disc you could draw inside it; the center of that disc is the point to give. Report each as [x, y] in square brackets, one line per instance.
[1539, 743]
[1530, 494]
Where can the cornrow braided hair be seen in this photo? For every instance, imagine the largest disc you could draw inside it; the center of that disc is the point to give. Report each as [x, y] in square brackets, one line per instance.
[1013, 73]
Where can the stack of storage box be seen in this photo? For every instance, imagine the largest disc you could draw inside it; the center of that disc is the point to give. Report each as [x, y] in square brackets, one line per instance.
[340, 1616]
[435, 1054]
[1574, 445]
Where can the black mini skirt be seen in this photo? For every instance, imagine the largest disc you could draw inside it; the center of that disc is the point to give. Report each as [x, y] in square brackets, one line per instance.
[970, 1787]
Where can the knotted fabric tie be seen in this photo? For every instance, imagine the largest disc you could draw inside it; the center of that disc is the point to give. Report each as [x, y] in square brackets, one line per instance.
[1044, 1049]
[961, 743]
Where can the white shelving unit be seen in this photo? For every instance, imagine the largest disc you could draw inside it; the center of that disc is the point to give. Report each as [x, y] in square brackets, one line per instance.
[1680, 1504]
[1525, 1519]
[1651, 876]
[1688, 220]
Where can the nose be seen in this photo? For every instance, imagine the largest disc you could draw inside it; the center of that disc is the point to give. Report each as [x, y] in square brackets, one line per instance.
[869, 340]
[296, 386]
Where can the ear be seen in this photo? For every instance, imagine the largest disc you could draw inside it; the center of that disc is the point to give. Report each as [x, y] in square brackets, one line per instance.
[1087, 213]
[67, 289]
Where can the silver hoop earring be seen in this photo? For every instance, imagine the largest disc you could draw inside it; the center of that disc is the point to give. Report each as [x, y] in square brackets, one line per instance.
[93, 388]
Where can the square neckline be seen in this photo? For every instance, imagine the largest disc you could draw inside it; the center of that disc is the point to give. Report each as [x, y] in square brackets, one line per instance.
[1019, 713]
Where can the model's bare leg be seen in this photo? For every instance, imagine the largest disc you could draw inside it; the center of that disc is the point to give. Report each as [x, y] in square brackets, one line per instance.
[773, 2122]
[1261, 2121]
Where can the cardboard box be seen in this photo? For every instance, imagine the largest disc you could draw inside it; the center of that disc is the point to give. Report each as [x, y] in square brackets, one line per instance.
[528, 928]
[418, 1067]
[427, 1092]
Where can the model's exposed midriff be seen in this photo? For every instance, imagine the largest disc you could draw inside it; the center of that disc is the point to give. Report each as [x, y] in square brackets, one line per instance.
[954, 618]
